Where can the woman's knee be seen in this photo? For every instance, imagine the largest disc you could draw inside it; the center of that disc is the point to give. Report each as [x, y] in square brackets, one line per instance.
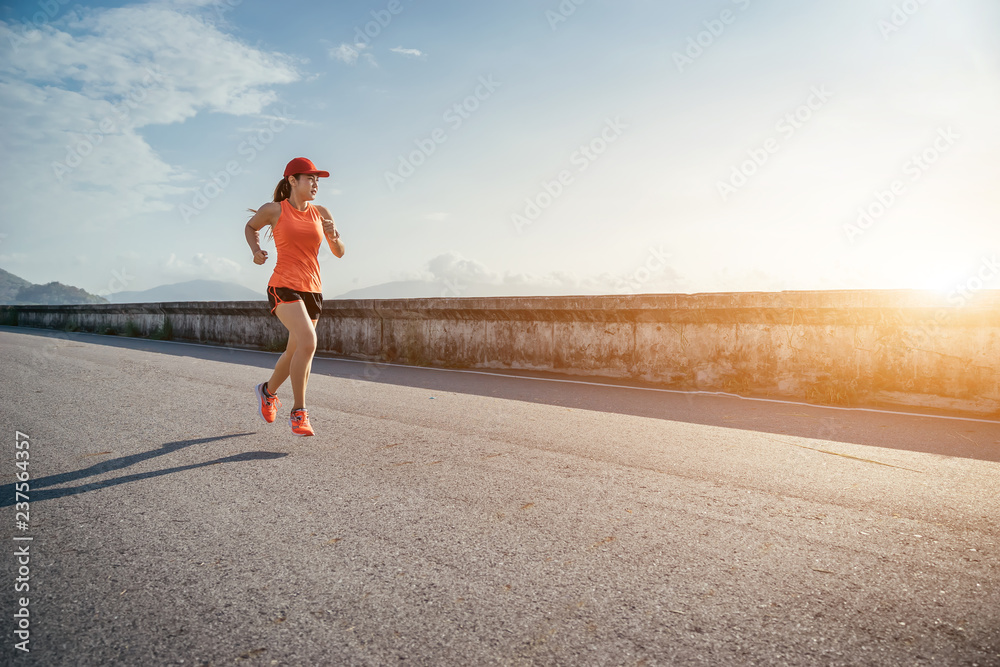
[301, 330]
[306, 342]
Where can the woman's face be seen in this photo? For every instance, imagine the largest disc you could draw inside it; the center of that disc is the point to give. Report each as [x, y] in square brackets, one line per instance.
[305, 186]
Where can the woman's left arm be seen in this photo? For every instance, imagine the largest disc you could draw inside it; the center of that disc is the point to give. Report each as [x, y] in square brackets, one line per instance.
[331, 232]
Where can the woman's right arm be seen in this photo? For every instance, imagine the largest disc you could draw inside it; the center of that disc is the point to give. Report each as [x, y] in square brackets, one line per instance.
[267, 214]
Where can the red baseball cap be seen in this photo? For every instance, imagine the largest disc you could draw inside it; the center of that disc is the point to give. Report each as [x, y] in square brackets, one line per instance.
[301, 165]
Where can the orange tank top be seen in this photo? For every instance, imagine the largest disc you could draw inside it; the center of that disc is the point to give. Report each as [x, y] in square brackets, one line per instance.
[298, 236]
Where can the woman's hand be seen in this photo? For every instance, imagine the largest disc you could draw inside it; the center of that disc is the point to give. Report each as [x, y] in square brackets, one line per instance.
[330, 229]
[331, 233]
[267, 214]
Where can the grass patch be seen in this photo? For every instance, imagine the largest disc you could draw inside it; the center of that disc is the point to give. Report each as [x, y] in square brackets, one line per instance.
[835, 391]
[163, 332]
[276, 345]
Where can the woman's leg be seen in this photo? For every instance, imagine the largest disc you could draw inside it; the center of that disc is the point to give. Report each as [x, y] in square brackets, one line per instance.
[283, 366]
[281, 369]
[296, 360]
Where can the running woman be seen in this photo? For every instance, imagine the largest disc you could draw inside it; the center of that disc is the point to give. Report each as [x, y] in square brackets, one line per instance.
[294, 291]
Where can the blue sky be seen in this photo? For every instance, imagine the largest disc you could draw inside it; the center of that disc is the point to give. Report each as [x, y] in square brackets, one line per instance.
[542, 147]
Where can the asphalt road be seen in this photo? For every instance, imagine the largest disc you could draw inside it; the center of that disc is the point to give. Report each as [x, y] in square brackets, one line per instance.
[450, 518]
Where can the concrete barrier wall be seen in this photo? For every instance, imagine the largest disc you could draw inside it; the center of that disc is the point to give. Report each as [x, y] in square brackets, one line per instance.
[850, 347]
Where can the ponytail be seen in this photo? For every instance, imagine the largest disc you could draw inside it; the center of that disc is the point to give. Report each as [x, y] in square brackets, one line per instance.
[284, 189]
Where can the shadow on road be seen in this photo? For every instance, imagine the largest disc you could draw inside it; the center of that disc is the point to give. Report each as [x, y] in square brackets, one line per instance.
[912, 432]
[938, 435]
[40, 492]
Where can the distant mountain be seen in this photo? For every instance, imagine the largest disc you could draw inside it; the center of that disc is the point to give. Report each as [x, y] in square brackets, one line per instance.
[10, 285]
[18, 291]
[402, 289]
[193, 290]
[55, 294]
[419, 289]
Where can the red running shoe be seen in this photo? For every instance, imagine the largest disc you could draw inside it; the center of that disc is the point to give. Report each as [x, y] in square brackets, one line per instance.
[299, 421]
[268, 404]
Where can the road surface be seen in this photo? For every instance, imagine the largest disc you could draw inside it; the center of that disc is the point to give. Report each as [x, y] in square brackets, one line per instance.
[450, 518]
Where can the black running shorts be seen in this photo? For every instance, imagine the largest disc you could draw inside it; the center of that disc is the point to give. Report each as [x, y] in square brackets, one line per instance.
[313, 301]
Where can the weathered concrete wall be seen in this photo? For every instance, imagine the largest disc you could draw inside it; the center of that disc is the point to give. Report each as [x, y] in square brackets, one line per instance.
[899, 347]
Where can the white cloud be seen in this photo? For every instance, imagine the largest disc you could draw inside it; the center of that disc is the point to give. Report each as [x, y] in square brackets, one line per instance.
[76, 92]
[452, 266]
[201, 265]
[438, 216]
[346, 53]
[410, 53]
[467, 277]
[350, 53]
[110, 55]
